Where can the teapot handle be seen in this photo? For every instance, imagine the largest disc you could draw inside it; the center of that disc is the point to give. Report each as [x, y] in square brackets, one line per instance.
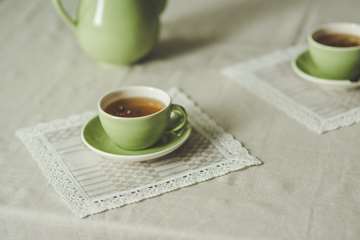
[162, 5]
[62, 12]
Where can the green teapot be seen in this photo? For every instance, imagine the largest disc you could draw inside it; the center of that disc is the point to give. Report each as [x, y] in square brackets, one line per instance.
[115, 31]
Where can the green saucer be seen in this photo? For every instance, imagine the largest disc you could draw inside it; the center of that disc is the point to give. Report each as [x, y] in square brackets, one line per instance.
[95, 138]
[304, 67]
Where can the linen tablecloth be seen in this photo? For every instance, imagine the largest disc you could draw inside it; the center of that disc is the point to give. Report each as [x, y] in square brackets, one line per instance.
[308, 187]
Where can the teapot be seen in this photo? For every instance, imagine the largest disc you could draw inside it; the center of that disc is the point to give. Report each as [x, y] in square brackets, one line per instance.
[115, 31]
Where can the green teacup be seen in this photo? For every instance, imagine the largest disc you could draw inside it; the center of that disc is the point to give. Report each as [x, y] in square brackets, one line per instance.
[135, 133]
[335, 62]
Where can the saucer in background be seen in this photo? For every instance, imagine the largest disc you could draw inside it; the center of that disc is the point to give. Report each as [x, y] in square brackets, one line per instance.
[304, 67]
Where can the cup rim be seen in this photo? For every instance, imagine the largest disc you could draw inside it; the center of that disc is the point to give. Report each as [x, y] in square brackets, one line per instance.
[327, 25]
[100, 109]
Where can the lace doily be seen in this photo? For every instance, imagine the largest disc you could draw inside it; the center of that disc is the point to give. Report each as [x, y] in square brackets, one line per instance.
[90, 184]
[318, 107]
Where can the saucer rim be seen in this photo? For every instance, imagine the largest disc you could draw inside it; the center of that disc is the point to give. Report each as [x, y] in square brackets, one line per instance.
[323, 81]
[136, 158]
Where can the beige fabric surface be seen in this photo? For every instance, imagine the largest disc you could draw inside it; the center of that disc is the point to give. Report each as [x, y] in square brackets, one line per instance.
[308, 188]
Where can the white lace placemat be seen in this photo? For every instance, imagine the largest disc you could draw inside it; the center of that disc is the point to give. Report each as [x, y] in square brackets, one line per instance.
[90, 184]
[319, 108]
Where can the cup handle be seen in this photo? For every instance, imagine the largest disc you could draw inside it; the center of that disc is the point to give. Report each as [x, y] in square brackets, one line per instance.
[178, 118]
[65, 16]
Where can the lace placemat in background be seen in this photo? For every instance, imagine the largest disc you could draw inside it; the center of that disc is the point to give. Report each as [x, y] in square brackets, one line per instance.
[320, 108]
